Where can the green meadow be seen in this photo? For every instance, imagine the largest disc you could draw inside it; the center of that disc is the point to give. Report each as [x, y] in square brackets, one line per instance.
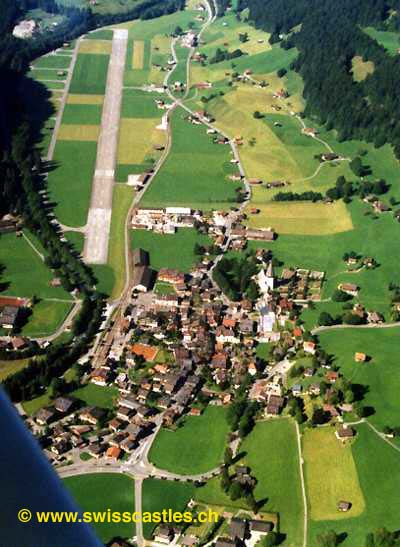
[90, 74]
[171, 250]
[70, 187]
[194, 447]
[381, 375]
[88, 492]
[195, 173]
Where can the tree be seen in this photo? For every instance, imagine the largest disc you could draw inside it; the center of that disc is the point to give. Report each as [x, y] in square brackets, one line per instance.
[341, 296]
[235, 491]
[325, 319]
[281, 72]
[228, 455]
[243, 37]
[330, 539]
[257, 115]
[319, 417]
[270, 540]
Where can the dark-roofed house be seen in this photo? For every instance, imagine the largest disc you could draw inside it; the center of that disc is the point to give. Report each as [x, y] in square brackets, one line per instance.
[63, 404]
[9, 317]
[140, 257]
[237, 528]
[261, 526]
[225, 542]
[142, 279]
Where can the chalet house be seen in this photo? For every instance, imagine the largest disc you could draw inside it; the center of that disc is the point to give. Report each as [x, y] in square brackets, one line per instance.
[226, 542]
[238, 528]
[44, 416]
[225, 335]
[380, 207]
[261, 235]
[9, 317]
[310, 347]
[171, 276]
[95, 450]
[349, 288]
[261, 526]
[92, 415]
[63, 404]
[345, 433]
[274, 406]
[100, 376]
[331, 376]
[113, 453]
[314, 389]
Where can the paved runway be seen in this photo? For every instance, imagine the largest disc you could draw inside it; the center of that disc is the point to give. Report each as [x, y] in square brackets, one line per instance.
[99, 217]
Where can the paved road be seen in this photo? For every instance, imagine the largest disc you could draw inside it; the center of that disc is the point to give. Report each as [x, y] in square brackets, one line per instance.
[369, 326]
[303, 486]
[99, 218]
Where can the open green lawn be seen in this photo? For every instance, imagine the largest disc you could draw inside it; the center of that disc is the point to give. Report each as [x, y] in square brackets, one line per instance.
[170, 250]
[195, 447]
[89, 493]
[17, 258]
[378, 469]
[140, 104]
[180, 72]
[46, 317]
[195, 172]
[93, 395]
[32, 406]
[60, 62]
[77, 239]
[122, 200]
[389, 40]
[103, 34]
[82, 114]
[90, 74]
[381, 374]
[69, 185]
[271, 452]
[105, 276]
[159, 495]
[328, 484]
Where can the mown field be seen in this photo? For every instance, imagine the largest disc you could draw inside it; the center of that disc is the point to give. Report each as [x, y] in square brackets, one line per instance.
[172, 250]
[381, 375]
[378, 470]
[194, 173]
[88, 492]
[90, 74]
[159, 495]
[194, 447]
[331, 476]
[69, 185]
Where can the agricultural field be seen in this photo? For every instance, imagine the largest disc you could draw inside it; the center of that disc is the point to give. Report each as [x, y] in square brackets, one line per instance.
[373, 458]
[272, 454]
[381, 374]
[8, 368]
[163, 248]
[149, 47]
[193, 448]
[328, 484]
[159, 495]
[195, 173]
[122, 200]
[90, 74]
[88, 492]
[70, 185]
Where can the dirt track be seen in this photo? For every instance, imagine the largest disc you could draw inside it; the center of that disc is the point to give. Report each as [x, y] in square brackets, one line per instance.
[99, 217]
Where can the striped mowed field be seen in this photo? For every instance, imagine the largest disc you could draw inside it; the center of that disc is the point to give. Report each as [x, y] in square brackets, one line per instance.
[75, 98]
[99, 47]
[136, 138]
[331, 476]
[73, 132]
[138, 55]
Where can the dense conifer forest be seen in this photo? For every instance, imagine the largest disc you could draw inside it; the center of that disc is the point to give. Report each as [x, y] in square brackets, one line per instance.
[328, 35]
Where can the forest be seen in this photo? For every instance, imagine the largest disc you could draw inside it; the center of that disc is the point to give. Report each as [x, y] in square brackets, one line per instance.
[330, 36]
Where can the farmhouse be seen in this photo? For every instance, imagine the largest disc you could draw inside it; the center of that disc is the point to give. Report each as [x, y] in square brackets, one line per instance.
[345, 433]
[349, 288]
[360, 357]
[261, 235]
[142, 279]
[9, 317]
